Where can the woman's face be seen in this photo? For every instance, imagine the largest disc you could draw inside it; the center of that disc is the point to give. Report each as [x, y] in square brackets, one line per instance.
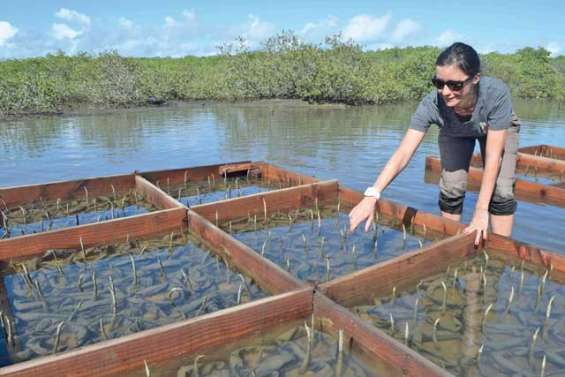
[454, 97]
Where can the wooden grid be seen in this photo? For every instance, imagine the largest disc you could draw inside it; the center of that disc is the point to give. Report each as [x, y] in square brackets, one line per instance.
[293, 300]
[523, 189]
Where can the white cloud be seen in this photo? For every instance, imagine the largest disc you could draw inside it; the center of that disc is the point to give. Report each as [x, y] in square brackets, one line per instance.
[258, 30]
[365, 27]
[125, 23]
[553, 47]
[73, 16]
[189, 15]
[64, 31]
[405, 28]
[187, 22]
[448, 37]
[170, 22]
[7, 31]
[323, 25]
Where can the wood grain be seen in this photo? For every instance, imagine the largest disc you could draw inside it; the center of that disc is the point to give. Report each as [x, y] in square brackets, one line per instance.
[193, 336]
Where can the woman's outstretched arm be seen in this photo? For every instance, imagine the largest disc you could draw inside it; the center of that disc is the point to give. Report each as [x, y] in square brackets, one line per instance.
[493, 153]
[398, 161]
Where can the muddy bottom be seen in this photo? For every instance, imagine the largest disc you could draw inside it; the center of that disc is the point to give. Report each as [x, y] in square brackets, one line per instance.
[480, 318]
[43, 216]
[316, 246]
[195, 193]
[300, 351]
[64, 300]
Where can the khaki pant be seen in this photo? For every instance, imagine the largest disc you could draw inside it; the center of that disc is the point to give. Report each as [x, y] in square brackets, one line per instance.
[456, 153]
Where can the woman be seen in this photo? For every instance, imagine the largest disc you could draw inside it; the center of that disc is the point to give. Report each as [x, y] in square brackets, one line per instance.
[466, 107]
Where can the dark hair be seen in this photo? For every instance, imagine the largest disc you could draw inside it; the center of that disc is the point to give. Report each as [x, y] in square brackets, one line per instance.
[463, 56]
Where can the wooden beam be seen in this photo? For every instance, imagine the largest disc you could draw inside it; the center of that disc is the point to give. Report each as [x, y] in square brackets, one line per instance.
[544, 150]
[526, 162]
[193, 336]
[425, 224]
[265, 273]
[155, 195]
[274, 173]
[279, 200]
[375, 342]
[192, 174]
[513, 251]
[65, 190]
[524, 190]
[506, 248]
[401, 272]
[92, 234]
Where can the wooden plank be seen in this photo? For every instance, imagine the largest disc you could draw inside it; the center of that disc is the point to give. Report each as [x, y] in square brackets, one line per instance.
[550, 151]
[193, 336]
[529, 163]
[65, 190]
[265, 273]
[275, 173]
[506, 248]
[155, 195]
[236, 168]
[401, 272]
[523, 190]
[513, 251]
[531, 149]
[423, 223]
[191, 174]
[540, 164]
[375, 342]
[279, 200]
[92, 234]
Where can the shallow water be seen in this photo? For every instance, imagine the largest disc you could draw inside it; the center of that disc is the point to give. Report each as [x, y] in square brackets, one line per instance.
[351, 144]
[42, 216]
[290, 354]
[155, 282]
[321, 249]
[195, 193]
[465, 340]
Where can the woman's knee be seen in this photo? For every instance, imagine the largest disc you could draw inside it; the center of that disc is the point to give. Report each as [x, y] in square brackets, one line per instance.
[453, 185]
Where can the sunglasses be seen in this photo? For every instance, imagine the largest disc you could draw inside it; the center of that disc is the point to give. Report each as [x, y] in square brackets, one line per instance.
[451, 84]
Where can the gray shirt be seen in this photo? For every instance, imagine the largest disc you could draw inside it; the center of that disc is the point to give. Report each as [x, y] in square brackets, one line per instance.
[493, 110]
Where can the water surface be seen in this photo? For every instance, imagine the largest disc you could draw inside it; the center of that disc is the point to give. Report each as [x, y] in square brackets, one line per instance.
[351, 144]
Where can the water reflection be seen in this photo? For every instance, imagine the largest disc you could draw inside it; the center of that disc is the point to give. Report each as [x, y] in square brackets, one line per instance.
[328, 141]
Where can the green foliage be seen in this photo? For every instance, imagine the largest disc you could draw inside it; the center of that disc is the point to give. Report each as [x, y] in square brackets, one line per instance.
[284, 67]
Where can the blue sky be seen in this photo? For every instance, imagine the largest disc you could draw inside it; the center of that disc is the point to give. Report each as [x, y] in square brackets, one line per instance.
[178, 28]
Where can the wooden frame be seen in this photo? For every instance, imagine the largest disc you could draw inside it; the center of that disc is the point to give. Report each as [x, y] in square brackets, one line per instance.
[294, 300]
[544, 150]
[524, 190]
[526, 162]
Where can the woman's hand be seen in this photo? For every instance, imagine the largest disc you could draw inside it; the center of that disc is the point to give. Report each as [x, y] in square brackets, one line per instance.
[479, 224]
[365, 210]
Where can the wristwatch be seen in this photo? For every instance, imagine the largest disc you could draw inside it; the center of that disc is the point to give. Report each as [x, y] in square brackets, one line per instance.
[372, 192]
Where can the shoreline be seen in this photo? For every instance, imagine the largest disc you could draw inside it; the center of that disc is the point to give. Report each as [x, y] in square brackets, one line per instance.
[89, 110]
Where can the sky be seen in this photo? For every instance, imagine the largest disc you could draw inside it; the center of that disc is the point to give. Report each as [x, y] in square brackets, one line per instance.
[178, 28]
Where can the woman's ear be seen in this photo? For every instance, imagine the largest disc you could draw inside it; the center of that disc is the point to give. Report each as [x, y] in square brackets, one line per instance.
[477, 78]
